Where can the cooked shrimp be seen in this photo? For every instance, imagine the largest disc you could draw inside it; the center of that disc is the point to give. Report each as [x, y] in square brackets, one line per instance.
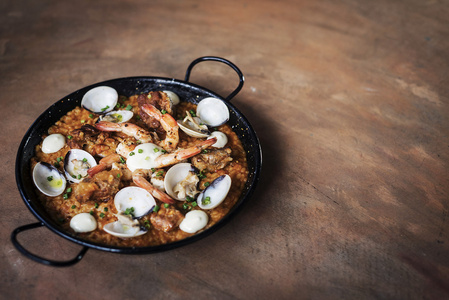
[168, 123]
[130, 129]
[158, 99]
[105, 163]
[181, 154]
[139, 179]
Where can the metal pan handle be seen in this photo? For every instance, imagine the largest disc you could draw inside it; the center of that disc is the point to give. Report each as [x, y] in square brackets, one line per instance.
[222, 60]
[38, 258]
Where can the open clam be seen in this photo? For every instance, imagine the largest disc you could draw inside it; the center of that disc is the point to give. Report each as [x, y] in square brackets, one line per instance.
[215, 193]
[181, 181]
[76, 164]
[193, 126]
[100, 100]
[117, 116]
[131, 203]
[48, 179]
[212, 112]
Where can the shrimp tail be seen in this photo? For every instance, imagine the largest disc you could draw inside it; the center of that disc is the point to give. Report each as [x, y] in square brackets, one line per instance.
[140, 181]
[105, 163]
[168, 123]
[107, 126]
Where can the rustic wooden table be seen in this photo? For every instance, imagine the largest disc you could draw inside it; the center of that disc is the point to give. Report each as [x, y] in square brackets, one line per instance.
[350, 100]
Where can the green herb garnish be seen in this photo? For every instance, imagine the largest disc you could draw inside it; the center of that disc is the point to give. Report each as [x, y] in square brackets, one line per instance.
[206, 201]
[129, 211]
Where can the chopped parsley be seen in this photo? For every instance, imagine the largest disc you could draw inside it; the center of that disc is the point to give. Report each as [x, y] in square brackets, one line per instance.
[129, 211]
[206, 200]
[129, 107]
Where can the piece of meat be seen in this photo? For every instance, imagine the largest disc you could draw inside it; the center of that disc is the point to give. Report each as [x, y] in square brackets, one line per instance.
[166, 219]
[101, 187]
[212, 160]
[159, 100]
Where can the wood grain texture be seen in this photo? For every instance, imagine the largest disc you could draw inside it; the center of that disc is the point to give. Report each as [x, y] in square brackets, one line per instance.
[350, 100]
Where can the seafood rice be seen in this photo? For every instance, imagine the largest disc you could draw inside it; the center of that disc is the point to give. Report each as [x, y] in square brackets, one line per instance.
[91, 205]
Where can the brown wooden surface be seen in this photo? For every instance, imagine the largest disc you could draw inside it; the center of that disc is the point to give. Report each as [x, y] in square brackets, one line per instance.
[350, 100]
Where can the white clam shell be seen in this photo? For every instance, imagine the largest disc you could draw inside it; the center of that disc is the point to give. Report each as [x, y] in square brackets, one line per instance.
[222, 139]
[117, 116]
[192, 132]
[83, 222]
[53, 143]
[212, 111]
[48, 179]
[76, 164]
[174, 175]
[134, 197]
[194, 221]
[100, 100]
[121, 230]
[174, 98]
[215, 193]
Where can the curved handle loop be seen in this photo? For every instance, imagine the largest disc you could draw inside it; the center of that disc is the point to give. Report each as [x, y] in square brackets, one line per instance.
[222, 60]
[38, 258]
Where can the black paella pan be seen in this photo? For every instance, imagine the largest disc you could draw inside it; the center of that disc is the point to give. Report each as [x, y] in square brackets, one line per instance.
[130, 86]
